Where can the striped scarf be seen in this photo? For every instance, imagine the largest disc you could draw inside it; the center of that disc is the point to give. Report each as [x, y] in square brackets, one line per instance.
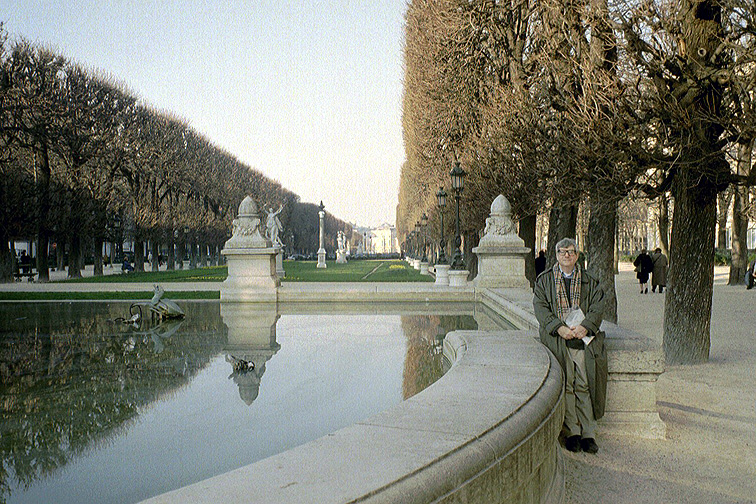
[566, 303]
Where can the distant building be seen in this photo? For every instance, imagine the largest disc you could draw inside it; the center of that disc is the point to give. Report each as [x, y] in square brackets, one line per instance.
[383, 239]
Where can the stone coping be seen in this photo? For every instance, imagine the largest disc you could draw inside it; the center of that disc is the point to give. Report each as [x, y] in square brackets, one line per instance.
[492, 418]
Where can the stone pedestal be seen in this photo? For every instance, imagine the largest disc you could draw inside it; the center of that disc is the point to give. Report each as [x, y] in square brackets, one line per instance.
[341, 257]
[279, 265]
[416, 263]
[251, 275]
[442, 274]
[321, 258]
[501, 267]
[501, 253]
[424, 268]
[251, 260]
[635, 363]
[458, 278]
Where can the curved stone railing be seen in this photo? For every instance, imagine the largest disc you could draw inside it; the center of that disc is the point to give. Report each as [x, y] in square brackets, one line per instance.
[485, 432]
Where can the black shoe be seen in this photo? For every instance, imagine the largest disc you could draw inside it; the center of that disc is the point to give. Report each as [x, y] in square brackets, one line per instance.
[653, 289]
[589, 445]
[572, 443]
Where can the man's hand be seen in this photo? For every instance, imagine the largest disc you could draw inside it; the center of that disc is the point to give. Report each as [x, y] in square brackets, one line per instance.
[565, 332]
[580, 332]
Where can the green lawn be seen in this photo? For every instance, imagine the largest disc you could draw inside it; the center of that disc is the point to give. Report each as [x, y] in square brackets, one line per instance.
[353, 271]
[210, 274]
[104, 296]
[296, 271]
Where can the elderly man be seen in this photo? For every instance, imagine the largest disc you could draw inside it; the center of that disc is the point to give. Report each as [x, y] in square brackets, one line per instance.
[569, 305]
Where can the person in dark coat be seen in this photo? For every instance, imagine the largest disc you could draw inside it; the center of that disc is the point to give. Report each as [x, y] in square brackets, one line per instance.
[659, 272]
[562, 295]
[540, 262]
[750, 277]
[643, 267]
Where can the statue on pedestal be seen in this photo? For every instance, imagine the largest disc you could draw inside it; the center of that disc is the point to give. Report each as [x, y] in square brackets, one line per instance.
[273, 226]
[341, 252]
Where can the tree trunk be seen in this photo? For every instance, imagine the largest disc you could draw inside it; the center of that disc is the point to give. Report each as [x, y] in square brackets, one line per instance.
[171, 261]
[6, 258]
[60, 255]
[155, 250]
[471, 260]
[562, 224]
[203, 255]
[740, 204]
[113, 255]
[723, 200]
[602, 224]
[690, 285]
[182, 253]
[192, 254]
[664, 224]
[138, 254]
[527, 232]
[98, 252]
[74, 254]
[43, 205]
[616, 244]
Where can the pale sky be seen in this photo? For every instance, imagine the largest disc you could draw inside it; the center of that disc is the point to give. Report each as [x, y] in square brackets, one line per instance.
[307, 92]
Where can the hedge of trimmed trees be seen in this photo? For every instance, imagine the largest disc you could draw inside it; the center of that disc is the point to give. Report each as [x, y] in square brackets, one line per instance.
[84, 161]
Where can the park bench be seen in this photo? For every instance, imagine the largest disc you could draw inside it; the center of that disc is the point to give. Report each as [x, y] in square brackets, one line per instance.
[27, 273]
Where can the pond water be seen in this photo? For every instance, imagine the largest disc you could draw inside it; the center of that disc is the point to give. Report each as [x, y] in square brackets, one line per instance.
[97, 411]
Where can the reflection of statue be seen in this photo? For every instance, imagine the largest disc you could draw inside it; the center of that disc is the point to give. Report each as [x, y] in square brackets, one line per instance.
[247, 377]
[161, 332]
[274, 226]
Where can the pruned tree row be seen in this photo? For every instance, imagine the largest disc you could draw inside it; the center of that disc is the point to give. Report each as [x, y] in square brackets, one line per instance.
[561, 105]
[84, 161]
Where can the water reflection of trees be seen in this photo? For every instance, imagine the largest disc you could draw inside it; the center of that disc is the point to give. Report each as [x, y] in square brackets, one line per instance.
[70, 379]
[423, 364]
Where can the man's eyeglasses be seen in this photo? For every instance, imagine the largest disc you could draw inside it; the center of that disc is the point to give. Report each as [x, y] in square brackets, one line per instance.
[567, 252]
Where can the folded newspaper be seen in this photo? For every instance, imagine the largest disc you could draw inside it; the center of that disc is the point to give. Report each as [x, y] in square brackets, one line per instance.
[574, 318]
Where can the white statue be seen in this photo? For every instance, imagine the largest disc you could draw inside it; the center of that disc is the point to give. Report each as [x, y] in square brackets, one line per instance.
[341, 238]
[274, 226]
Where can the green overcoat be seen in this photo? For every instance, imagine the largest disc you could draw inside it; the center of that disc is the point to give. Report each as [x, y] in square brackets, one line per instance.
[592, 304]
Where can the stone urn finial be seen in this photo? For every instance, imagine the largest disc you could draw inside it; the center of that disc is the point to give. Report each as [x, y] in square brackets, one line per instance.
[500, 229]
[246, 232]
[501, 253]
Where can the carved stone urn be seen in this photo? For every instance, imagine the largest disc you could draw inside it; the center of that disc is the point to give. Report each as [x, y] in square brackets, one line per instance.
[501, 253]
[251, 259]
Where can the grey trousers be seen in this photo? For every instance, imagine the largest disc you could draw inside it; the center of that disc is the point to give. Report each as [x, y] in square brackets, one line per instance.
[578, 414]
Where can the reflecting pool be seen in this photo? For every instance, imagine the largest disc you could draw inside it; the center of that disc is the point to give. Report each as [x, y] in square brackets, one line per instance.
[100, 411]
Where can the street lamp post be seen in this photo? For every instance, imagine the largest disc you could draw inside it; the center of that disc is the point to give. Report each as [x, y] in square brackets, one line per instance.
[458, 183]
[441, 196]
[417, 245]
[321, 250]
[424, 225]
